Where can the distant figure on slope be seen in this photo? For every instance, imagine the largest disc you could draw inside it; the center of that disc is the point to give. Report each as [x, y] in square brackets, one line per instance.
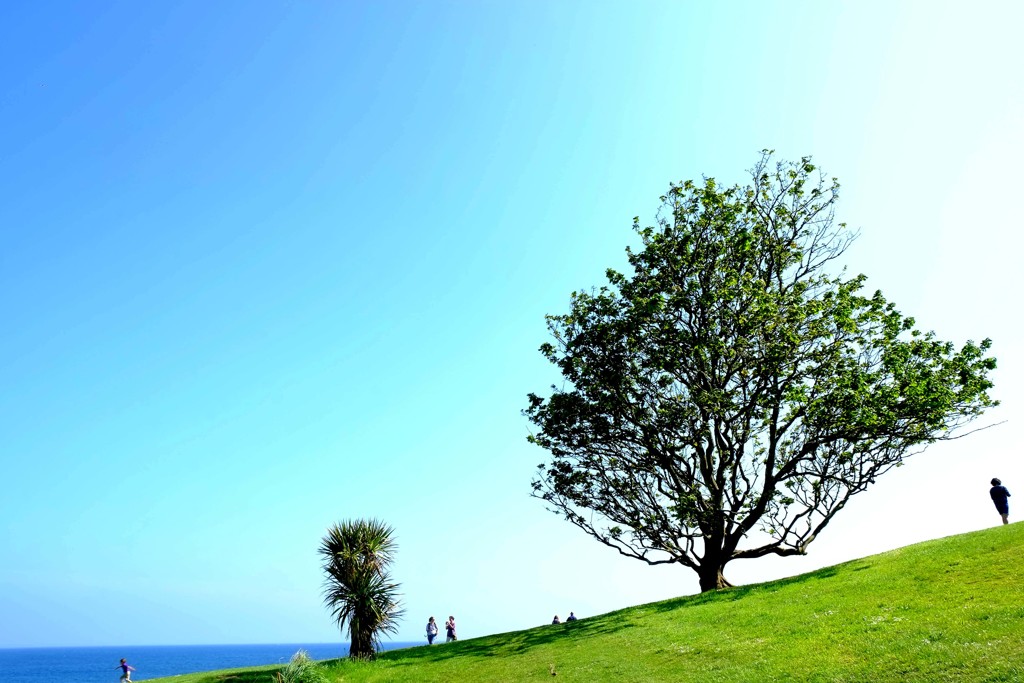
[999, 495]
[431, 631]
[126, 671]
[556, 620]
[571, 617]
[449, 626]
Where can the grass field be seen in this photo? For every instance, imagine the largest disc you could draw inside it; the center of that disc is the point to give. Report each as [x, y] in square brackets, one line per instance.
[945, 610]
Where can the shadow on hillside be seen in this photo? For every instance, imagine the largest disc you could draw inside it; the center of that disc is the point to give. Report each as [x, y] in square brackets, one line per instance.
[518, 642]
[505, 644]
[740, 592]
[247, 677]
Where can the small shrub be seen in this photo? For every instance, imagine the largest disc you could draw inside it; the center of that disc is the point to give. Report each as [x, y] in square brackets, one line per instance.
[302, 669]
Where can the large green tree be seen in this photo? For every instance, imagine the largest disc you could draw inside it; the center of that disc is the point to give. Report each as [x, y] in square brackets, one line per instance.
[358, 589]
[726, 399]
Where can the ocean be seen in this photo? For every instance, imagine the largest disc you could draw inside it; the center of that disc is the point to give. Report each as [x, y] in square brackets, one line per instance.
[96, 664]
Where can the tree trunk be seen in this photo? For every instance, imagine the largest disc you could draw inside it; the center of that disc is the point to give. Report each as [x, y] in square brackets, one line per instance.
[712, 578]
[361, 647]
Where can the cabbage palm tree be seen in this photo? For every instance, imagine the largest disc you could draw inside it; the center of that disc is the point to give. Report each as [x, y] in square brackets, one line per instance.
[358, 589]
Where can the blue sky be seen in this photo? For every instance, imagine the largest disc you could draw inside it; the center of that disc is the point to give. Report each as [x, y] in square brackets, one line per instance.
[267, 266]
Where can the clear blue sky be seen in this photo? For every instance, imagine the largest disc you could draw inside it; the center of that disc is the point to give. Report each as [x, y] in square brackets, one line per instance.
[269, 265]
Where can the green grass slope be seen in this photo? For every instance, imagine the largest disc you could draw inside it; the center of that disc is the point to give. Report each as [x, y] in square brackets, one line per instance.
[945, 610]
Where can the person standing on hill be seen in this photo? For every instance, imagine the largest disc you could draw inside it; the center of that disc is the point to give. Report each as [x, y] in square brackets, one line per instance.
[431, 631]
[126, 670]
[449, 626]
[571, 617]
[999, 497]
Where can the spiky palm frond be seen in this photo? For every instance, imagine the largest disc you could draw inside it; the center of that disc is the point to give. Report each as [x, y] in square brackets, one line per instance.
[358, 590]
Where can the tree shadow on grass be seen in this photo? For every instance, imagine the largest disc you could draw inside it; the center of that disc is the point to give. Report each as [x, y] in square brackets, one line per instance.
[506, 644]
[740, 592]
[519, 642]
[245, 677]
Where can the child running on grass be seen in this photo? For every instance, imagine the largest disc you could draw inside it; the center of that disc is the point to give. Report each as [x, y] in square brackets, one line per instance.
[126, 670]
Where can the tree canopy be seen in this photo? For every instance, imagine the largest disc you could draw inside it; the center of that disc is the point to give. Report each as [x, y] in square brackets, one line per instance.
[725, 399]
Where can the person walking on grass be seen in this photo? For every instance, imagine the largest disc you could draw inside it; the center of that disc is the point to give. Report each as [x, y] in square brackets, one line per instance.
[999, 495]
[449, 627]
[431, 631]
[126, 670]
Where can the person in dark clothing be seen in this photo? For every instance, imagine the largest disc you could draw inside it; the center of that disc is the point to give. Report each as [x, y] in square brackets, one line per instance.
[126, 671]
[999, 495]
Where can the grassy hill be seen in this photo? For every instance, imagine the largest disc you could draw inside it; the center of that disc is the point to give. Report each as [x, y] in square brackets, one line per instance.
[945, 610]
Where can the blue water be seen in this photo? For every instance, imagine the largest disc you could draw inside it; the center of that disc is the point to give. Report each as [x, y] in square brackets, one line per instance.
[96, 664]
